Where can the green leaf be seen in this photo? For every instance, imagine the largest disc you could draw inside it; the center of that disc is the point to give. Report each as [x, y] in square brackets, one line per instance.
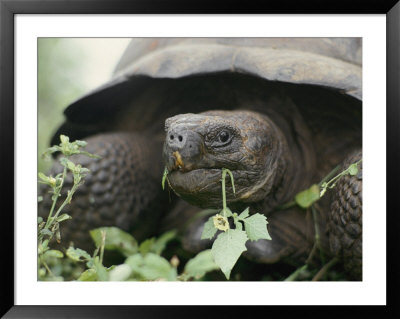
[209, 229]
[64, 139]
[116, 239]
[145, 246]
[353, 169]
[49, 180]
[244, 214]
[63, 217]
[49, 151]
[64, 161]
[43, 177]
[227, 249]
[120, 273]
[165, 176]
[256, 227]
[151, 267]
[202, 263]
[88, 154]
[46, 232]
[54, 253]
[157, 245]
[162, 241]
[88, 275]
[238, 224]
[58, 236]
[80, 143]
[76, 254]
[71, 165]
[135, 262]
[84, 170]
[100, 269]
[307, 197]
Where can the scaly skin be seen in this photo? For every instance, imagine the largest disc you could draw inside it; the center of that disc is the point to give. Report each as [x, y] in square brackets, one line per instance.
[345, 220]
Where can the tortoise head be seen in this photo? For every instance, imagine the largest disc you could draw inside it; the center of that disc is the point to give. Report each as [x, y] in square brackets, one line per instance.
[198, 146]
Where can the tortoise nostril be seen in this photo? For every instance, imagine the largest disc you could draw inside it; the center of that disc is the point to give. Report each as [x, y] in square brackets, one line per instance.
[180, 138]
[171, 137]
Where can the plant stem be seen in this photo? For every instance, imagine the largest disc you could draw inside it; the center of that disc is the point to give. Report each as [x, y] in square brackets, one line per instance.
[311, 255]
[287, 205]
[324, 269]
[317, 232]
[57, 194]
[296, 274]
[223, 192]
[103, 243]
[329, 176]
[47, 267]
[66, 201]
[345, 172]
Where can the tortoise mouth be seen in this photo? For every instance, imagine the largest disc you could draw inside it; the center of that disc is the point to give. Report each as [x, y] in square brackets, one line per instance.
[193, 180]
[175, 162]
[199, 186]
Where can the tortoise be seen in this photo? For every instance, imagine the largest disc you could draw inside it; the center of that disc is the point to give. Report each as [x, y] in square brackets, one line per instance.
[280, 113]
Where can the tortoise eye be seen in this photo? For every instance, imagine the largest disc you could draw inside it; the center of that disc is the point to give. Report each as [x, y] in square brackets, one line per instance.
[224, 136]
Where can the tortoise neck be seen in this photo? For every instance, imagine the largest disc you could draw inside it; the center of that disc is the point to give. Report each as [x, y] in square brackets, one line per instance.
[296, 161]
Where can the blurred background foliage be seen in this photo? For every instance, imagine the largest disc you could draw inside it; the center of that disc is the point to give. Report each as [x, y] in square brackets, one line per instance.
[67, 69]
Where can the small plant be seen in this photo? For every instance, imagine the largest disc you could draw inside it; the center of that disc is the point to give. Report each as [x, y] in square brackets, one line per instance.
[50, 228]
[230, 243]
[307, 199]
[143, 262]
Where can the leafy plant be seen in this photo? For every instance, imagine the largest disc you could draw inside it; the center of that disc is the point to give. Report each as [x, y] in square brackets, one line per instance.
[307, 199]
[230, 243]
[143, 262]
[50, 228]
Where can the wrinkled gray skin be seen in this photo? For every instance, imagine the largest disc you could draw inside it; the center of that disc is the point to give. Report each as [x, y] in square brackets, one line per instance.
[269, 166]
[247, 143]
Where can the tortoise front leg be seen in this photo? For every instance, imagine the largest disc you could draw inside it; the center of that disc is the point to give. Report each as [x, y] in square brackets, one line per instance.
[345, 219]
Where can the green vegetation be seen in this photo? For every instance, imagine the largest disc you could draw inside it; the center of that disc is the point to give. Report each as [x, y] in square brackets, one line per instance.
[230, 244]
[146, 260]
[142, 261]
[50, 228]
[307, 200]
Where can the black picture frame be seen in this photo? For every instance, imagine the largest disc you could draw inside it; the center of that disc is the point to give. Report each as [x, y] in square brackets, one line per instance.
[8, 10]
